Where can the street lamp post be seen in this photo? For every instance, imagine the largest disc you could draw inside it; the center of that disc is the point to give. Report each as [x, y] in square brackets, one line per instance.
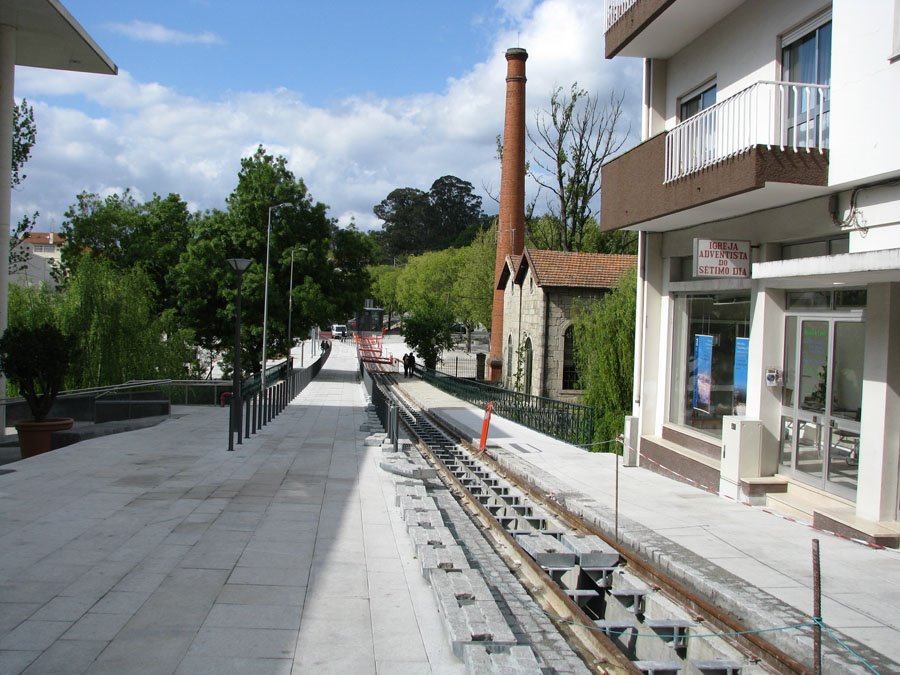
[291, 311]
[262, 382]
[239, 265]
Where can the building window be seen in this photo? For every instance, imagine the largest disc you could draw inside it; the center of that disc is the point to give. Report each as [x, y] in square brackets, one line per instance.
[709, 360]
[509, 360]
[570, 370]
[806, 59]
[529, 361]
[697, 101]
[812, 249]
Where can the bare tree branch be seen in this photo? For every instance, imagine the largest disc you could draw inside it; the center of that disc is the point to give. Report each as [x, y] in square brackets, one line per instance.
[571, 141]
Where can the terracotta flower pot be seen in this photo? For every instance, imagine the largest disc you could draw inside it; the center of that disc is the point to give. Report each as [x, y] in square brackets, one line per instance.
[34, 437]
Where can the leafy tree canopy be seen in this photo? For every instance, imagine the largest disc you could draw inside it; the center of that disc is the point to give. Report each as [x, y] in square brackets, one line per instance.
[128, 234]
[329, 279]
[604, 352]
[417, 221]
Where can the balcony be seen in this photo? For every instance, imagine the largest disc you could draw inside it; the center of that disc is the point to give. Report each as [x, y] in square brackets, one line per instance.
[763, 147]
[659, 28]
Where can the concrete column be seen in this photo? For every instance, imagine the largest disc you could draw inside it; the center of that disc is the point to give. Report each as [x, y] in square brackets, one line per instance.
[511, 218]
[655, 333]
[7, 101]
[766, 350]
[879, 451]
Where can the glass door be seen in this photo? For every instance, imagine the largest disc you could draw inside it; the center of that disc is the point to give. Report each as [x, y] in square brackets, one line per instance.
[822, 399]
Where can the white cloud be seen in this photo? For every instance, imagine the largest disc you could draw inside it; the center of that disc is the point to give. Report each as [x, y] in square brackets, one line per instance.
[144, 31]
[350, 154]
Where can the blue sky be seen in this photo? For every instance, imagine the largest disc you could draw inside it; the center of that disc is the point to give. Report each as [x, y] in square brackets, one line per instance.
[360, 97]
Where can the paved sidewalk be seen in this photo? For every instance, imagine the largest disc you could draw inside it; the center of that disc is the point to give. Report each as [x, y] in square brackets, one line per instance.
[753, 562]
[157, 551]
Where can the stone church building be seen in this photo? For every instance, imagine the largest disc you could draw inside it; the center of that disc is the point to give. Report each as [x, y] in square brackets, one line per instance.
[540, 292]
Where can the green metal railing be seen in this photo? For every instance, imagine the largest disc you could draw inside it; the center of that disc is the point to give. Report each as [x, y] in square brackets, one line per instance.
[569, 422]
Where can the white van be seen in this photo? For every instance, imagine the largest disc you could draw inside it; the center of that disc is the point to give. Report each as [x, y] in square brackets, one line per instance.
[339, 330]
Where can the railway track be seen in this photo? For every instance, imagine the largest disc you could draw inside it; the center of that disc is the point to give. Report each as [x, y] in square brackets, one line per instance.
[617, 612]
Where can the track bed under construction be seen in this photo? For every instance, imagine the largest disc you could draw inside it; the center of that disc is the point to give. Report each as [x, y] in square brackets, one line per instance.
[617, 612]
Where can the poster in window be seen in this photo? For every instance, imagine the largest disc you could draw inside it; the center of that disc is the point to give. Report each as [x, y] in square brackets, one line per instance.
[741, 353]
[703, 347]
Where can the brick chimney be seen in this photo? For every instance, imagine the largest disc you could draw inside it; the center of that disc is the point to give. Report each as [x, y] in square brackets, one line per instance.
[511, 227]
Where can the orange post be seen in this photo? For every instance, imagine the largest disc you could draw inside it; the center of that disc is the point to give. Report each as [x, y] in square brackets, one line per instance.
[489, 408]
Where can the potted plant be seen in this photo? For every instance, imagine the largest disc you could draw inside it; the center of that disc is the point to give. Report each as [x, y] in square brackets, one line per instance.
[35, 359]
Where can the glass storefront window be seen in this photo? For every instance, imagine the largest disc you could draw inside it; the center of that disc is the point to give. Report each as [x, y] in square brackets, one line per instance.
[709, 365]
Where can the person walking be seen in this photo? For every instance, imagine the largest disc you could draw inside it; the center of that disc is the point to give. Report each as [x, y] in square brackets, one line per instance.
[405, 365]
[412, 364]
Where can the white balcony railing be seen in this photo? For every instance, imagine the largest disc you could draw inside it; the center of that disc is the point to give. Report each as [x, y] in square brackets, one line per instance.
[783, 114]
[615, 9]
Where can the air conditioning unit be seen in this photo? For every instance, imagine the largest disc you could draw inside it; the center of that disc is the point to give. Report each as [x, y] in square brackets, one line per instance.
[742, 455]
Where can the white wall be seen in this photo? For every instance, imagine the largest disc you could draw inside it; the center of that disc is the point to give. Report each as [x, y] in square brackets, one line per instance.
[865, 105]
[740, 50]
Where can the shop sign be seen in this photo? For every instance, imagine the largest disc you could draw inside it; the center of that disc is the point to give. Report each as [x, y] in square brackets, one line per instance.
[721, 258]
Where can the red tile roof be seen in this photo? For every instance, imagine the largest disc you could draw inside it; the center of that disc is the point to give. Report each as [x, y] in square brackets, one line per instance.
[44, 238]
[576, 270]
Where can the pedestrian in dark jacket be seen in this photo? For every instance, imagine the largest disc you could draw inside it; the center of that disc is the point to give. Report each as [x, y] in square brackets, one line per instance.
[412, 364]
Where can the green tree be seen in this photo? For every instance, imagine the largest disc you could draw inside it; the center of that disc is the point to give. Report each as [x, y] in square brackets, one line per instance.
[417, 221]
[385, 279]
[604, 352]
[329, 278]
[453, 207]
[404, 212]
[571, 142]
[615, 241]
[129, 234]
[24, 138]
[473, 288]
[119, 337]
[425, 289]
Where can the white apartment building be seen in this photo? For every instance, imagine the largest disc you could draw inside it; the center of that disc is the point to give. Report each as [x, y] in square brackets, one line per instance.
[44, 254]
[766, 190]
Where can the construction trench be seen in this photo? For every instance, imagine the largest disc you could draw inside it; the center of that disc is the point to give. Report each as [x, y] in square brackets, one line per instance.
[526, 586]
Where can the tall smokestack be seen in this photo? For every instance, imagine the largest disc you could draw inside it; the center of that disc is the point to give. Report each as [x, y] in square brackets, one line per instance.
[511, 226]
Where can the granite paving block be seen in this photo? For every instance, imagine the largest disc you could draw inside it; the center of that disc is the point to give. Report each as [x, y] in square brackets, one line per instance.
[66, 656]
[253, 616]
[444, 559]
[415, 491]
[244, 642]
[97, 627]
[247, 594]
[519, 660]
[221, 665]
[31, 635]
[470, 611]
[547, 551]
[14, 613]
[590, 550]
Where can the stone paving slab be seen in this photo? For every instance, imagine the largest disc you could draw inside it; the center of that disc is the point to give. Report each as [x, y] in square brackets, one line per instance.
[157, 551]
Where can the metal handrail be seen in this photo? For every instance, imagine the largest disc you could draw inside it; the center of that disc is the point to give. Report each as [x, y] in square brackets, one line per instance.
[615, 10]
[569, 422]
[91, 391]
[766, 113]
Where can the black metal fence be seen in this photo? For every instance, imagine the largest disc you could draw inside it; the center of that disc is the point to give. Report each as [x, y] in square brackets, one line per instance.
[569, 422]
[459, 366]
[259, 406]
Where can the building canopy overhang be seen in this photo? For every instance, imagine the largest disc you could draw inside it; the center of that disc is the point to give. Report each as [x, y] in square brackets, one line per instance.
[48, 36]
[848, 269]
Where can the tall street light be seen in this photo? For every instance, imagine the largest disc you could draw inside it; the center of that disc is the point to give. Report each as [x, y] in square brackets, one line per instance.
[291, 311]
[266, 298]
[239, 265]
